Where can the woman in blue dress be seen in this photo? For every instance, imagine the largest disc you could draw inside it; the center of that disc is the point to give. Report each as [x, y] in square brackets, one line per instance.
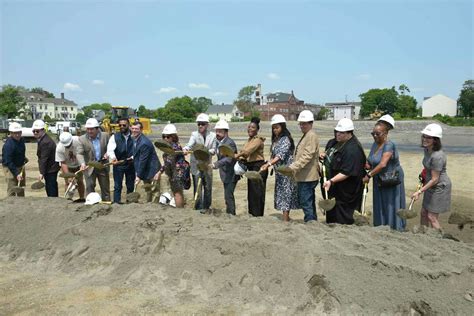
[283, 147]
[384, 158]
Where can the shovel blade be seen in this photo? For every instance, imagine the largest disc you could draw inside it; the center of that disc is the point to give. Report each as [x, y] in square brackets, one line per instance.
[285, 170]
[361, 220]
[67, 175]
[253, 176]
[17, 190]
[96, 164]
[327, 205]
[406, 214]
[38, 185]
[226, 151]
[133, 197]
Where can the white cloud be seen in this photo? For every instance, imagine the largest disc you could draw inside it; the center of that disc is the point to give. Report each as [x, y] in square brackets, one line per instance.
[147, 76]
[363, 77]
[71, 87]
[273, 76]
[166, 90]
[199, 86]
[98, 82]
[219, 94]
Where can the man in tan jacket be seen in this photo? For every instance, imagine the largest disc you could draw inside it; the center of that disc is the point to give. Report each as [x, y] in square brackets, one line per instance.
[305, 166]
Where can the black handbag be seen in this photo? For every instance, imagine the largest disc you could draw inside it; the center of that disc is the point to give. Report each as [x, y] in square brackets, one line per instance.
[389, 179]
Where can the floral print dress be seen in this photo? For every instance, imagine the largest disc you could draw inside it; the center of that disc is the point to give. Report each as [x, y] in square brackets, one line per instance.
[177, 169]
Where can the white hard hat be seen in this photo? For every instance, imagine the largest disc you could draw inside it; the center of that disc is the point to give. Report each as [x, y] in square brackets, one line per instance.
[38, 124]
[65, 138]
[173, 202]
[433, 130]
[239, 168]
[344, 125]
[278, 118]
[387, 118]
[165, 198]
[14, 127]
[93, 198]
[91, 123]
[203, 117]
[306, 116]
[222, 124]
[169, 129]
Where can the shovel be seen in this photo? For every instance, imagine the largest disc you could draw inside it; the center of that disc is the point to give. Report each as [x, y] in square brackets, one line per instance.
[167, 149]
[362, 217]
[326, 204]
[407, 214]
[18, 189]
[72, 185]
[100, 165]
[197, 195]
[38, 185]
[201, 153]
[285, 170]
[226, 151]
[134, 196]
[253, 175]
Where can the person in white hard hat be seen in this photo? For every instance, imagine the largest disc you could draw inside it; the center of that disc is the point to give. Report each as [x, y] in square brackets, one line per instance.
[384, 158]
[252, 156]
[46, 152]
[92, 146]
[14, 159]
[346, 159]
[66, 156]
[208, 139]
[305, 166]
[175, 166]
[281, 151]
[120, 152]
[226, 165]
[437, 187]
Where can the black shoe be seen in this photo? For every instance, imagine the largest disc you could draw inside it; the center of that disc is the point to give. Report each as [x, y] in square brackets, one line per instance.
[79, 201]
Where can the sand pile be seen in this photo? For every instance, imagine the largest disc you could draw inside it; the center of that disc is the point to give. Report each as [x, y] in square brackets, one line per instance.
[58, 257]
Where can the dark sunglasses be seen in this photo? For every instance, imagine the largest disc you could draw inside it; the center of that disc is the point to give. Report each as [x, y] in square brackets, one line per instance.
[202, 123]
[376, 134]
[166, 136]
[426, 137]
[36, 131]
[123, 125]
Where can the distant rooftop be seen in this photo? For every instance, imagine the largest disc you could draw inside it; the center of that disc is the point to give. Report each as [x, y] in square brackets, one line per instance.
[36, 97]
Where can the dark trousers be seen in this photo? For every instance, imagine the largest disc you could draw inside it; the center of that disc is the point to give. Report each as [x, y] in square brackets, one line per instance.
[204, 202]
[119, 172]
[256, 190]
[51, 184]
[229, 189]
[307, 199]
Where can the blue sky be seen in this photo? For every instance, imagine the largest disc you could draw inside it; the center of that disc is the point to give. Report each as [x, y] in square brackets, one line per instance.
[146, 52]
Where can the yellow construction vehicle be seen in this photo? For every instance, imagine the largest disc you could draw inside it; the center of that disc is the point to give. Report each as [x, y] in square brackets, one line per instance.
[376, 115]
[110, 125]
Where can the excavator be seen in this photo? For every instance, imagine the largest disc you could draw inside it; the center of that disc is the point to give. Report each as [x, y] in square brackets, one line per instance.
[110, 125]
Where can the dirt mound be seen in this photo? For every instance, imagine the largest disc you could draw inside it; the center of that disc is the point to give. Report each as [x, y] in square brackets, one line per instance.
[59, 257]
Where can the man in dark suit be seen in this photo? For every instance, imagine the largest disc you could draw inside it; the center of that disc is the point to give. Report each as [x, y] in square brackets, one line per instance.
[46, 152]
[93, 147]
[145, 159]
[226, 165]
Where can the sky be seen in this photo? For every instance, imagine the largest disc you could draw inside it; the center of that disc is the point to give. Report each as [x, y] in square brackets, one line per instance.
[147, 52]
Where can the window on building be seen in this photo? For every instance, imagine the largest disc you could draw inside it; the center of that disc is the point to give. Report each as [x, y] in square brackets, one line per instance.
[41, 107]
[72, 109]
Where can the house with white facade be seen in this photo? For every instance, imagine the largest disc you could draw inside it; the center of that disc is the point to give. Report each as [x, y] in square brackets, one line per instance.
[56, 108]
[340, 110]
[439, 104]
[225, 112]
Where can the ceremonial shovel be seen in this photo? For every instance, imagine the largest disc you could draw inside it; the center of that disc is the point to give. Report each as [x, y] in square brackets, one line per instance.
[362, 217]
[134, 196]
[226, 151]
[18, 189]
[326, 204]
[407, 214]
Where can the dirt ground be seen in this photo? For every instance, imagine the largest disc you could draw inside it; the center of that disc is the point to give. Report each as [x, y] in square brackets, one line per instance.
[58, 257]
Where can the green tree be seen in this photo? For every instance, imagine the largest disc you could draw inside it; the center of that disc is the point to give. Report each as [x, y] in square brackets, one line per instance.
[322, 114]
[47, 118]
[81, 118]
[244, 101]
[384, 100]
[144, 112]
[201, 104]
[179, 109]
[466, 99]
[43, 92]
[106, 107]
[406, 106]
[11, 102]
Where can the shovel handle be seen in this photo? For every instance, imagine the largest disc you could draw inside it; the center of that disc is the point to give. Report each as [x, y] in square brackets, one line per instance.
[324, 181]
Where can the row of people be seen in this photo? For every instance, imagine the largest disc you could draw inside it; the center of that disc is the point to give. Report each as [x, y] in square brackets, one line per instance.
[133, 157]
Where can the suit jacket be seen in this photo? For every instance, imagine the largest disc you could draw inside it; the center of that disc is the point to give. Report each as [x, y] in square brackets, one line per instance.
[209, 143]
[46, 153]
[86, 152]
[145, 159]
[306, 162]
[226, 164]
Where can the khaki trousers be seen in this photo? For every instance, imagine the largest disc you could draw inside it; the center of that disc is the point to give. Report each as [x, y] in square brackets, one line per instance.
[12, 182]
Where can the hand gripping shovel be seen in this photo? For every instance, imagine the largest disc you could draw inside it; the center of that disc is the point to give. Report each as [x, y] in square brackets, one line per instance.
[326, 204]
[72, 185]
[362, 217]
[19, 189]
[407, 214]
[134, 196]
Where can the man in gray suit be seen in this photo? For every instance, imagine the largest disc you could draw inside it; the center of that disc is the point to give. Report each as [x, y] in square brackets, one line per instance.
[93, 147]
[226, 165]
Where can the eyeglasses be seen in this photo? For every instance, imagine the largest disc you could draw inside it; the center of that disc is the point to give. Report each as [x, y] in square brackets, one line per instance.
[36, 131]
[166, 136]
[426, 137]
[376, 134]
[202, 123]
[123, 125]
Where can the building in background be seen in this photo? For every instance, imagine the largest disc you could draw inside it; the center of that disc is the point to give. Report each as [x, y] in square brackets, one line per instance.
[38, 106]
[439, 104]
[224, 112]
[340, 110]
